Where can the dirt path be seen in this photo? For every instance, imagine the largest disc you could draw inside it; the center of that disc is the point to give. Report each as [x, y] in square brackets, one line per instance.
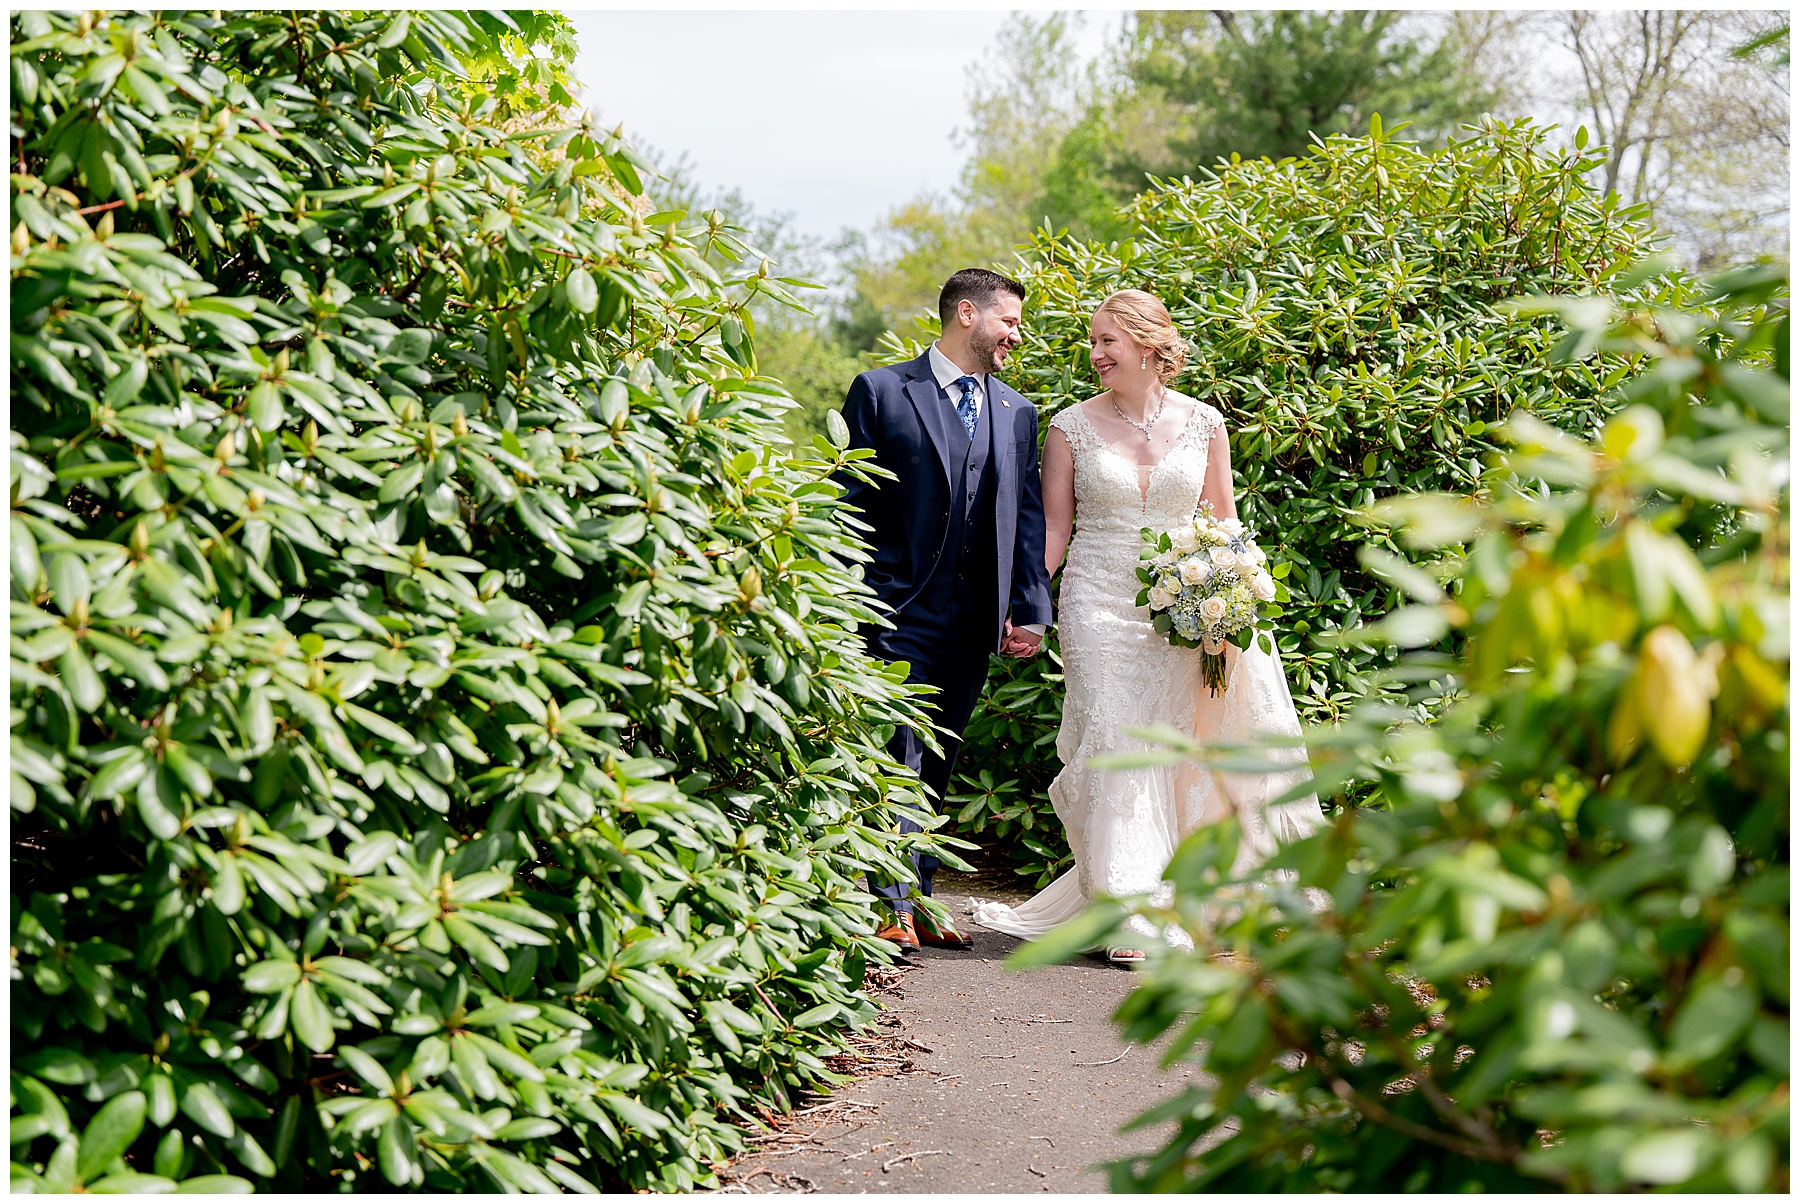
[1016, 1084]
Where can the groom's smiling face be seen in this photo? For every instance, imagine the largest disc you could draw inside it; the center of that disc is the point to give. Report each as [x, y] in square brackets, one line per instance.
[996, 331]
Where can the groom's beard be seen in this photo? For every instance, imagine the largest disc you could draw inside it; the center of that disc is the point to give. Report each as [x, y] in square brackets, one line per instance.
[985, 349]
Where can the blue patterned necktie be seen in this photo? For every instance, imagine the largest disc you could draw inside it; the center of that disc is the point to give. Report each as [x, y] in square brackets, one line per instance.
[965, 408]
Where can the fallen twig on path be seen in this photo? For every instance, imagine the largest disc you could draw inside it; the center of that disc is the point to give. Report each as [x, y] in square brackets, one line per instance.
[1032, 1020]
[1108, 1061]
[1043, 1137]
[885, 980]
[998, 1055]
[835, 1103]
[880, 1145]
[912, 1044]
[891, 1163]
[1034, 1170]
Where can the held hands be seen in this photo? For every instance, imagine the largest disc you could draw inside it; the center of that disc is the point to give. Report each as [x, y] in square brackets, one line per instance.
[1020, 643]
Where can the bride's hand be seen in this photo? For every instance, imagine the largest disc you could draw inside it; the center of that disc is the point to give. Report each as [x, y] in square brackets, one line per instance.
[1019, 643]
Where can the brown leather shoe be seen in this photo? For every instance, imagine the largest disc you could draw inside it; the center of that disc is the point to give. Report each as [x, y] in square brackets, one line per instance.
[941, 938]
[901, 932]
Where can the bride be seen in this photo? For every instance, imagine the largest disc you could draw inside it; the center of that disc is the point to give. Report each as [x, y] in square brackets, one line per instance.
[1141, 455]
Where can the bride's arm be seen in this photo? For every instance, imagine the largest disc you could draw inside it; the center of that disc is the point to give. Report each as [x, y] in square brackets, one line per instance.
[1217, 486]
[1058, 475]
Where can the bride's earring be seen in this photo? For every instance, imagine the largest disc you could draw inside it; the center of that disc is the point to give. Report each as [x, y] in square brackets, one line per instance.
[1144, 363]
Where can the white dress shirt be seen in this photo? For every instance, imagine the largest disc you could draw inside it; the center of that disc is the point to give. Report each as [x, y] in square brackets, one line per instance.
[946, 373]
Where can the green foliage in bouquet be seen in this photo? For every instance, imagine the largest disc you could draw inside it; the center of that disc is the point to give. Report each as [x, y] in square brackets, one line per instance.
[1341, 312]
[1556, 955]
[442, 758]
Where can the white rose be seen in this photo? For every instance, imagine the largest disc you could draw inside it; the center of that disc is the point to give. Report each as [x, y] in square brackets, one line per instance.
[1213, 609]
[1195, 571]
[1160, 599]
[1231, 527]
[1164, 559]
[1224, 558]
[1264, 587]
[1184, 539]
[1256, 556]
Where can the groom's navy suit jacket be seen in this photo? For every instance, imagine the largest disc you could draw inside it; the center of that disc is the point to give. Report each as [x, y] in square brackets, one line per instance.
[900, 412]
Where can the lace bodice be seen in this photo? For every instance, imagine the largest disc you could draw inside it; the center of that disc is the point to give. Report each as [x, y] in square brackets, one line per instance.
[1110, 504]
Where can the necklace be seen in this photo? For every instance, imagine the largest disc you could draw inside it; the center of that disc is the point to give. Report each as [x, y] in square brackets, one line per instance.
[1145, 427]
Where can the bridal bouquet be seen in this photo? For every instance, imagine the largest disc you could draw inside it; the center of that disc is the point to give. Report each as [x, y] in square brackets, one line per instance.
[1207, 583]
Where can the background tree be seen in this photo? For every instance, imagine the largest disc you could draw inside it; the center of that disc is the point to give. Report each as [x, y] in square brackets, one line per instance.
[1693, 130]
[1192, 88]
[1023, 96]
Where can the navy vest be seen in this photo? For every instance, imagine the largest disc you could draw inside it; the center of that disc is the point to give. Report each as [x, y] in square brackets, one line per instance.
[965, 569]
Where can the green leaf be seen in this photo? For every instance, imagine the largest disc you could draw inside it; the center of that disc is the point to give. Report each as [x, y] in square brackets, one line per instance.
[250, 1154]
[114, 1127]
[271, 976]
[201, 1105]
[501, 1013]
[134, 1184]
[634, 1114]
[216, 1185]
[312, 1019]
[366, 1068]
[813, 1017]
[263, 406]
[79, 678]
[583, 294]
[397, 1151]
[482, 950]
[1714, 1017]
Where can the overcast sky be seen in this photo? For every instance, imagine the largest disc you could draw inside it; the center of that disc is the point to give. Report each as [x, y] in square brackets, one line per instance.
[835, 117]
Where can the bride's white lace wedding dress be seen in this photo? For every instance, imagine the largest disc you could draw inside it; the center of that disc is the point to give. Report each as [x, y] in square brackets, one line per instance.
[1123, 825]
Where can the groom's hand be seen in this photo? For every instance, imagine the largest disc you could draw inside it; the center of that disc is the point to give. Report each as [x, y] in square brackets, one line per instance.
[1019, 642]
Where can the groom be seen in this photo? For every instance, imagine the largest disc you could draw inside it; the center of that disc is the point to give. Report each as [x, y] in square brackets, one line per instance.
[958, 535]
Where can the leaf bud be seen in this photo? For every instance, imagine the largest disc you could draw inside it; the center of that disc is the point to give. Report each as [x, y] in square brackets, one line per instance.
[140, 539]
[309, 437]
[103, 229]
[256, 499]
[750, 585]
[459, 426]
[227, 447]
[21, 239]
[280, 366]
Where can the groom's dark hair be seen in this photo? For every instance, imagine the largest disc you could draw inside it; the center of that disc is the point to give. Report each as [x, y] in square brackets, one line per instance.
[974, 284]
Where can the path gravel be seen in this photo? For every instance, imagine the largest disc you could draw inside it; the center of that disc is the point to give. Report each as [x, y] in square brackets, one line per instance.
[1000, 1099]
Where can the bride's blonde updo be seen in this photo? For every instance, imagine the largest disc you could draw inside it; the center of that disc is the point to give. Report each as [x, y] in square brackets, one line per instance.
[1147, 321]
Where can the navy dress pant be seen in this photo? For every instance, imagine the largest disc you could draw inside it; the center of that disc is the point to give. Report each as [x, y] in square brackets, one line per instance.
[952, 656]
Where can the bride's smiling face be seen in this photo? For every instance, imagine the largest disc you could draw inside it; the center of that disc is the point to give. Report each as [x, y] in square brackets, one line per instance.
[1113, 353]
